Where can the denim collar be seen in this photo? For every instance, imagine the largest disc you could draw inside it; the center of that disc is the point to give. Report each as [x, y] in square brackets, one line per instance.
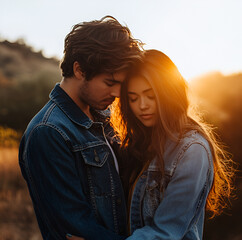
[153, 166]
[69, 107]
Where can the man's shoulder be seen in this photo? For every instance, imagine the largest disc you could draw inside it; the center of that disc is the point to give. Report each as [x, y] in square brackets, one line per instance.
[49, 115]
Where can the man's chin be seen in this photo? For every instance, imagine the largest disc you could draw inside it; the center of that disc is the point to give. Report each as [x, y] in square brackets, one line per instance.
[101, 108]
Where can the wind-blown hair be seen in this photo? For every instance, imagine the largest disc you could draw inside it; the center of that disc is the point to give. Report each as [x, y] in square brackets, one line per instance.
[174, 121]
[100, 46]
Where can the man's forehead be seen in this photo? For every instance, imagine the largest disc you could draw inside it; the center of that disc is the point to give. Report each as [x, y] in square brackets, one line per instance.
[119, 76]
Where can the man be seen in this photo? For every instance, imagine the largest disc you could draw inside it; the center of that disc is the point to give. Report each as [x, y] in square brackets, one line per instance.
[65, 158]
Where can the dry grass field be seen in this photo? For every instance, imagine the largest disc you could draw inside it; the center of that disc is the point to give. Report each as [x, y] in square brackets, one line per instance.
[17, 219]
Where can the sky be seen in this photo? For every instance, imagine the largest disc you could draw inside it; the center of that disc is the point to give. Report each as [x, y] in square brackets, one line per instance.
[200, 36]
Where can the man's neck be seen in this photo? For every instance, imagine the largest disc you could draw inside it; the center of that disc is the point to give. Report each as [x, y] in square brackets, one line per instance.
[71, 90]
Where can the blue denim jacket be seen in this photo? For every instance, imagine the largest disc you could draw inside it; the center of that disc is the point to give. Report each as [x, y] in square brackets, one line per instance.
[71, 175]
[179, 212]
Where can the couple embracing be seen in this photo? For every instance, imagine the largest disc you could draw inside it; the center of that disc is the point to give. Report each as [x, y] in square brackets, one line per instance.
[115, 154]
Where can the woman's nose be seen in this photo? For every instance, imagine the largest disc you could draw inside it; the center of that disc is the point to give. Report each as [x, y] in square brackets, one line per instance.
[143, 103]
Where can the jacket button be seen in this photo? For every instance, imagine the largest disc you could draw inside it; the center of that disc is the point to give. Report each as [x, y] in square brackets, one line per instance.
[119, 201]
[123, 232]
[96, 158]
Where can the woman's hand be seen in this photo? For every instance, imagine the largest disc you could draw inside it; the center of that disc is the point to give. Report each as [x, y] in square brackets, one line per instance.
[71, 237]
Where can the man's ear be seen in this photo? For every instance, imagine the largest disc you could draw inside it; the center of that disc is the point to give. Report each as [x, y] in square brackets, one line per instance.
[77, 71]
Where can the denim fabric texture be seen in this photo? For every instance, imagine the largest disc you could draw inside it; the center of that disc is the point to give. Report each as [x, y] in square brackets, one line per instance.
[178, 213]
[70, 172]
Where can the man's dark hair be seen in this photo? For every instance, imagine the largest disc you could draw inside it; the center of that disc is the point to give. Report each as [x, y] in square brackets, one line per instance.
[100, 46]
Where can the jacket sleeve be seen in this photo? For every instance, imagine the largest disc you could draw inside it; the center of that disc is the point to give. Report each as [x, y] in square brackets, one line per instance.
[56, 189]
[184, 198]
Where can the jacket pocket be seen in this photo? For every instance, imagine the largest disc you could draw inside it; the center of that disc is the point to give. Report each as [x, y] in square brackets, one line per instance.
[152, 197]
[96, 155]
[98, 174]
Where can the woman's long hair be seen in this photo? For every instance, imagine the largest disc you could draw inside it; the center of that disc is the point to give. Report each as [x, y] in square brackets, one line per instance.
[174, 121]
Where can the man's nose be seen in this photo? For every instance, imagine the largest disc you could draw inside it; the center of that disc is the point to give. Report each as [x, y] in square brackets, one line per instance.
[115, 92]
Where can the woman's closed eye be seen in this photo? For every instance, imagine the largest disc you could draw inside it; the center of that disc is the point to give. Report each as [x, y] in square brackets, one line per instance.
[132, 99]
[151, 96]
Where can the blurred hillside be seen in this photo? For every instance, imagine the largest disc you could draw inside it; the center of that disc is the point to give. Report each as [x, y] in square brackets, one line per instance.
[26, 78]
[219, 98]
[214, 90]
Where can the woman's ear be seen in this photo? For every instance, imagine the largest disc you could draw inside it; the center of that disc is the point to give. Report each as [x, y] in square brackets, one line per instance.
[78, 73]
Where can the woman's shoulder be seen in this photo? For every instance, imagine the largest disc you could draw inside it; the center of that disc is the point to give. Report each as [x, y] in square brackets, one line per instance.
[193, 137]
[189, 138]
[191, 144]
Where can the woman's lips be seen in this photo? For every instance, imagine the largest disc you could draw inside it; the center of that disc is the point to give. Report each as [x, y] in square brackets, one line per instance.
[146, 116]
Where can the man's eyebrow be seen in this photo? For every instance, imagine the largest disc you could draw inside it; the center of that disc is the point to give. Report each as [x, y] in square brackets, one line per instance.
[112, 80]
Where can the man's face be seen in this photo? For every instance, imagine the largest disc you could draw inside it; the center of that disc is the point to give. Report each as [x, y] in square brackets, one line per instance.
[101, 90]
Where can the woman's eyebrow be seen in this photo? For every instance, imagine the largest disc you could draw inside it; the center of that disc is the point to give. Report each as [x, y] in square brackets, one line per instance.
[145, 91]
[132, 93]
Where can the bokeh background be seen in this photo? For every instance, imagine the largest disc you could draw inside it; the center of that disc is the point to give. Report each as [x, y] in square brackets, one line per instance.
[203, 38]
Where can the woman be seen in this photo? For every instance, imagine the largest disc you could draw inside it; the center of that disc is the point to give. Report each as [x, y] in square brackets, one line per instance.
[183, 169]
[175, 167]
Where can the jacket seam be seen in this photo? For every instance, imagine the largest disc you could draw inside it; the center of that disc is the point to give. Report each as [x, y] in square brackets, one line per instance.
[183, 151]
[81, 148]
[92, 194]
[48, 112]
[205, 186]
[113, 201]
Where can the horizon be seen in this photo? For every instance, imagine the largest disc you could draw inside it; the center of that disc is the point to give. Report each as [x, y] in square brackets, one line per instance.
[193, 79]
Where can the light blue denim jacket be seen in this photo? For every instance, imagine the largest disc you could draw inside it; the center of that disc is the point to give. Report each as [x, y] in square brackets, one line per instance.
[179, 212]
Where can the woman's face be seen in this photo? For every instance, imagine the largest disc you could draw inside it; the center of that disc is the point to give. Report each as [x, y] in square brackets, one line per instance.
[142, 101]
